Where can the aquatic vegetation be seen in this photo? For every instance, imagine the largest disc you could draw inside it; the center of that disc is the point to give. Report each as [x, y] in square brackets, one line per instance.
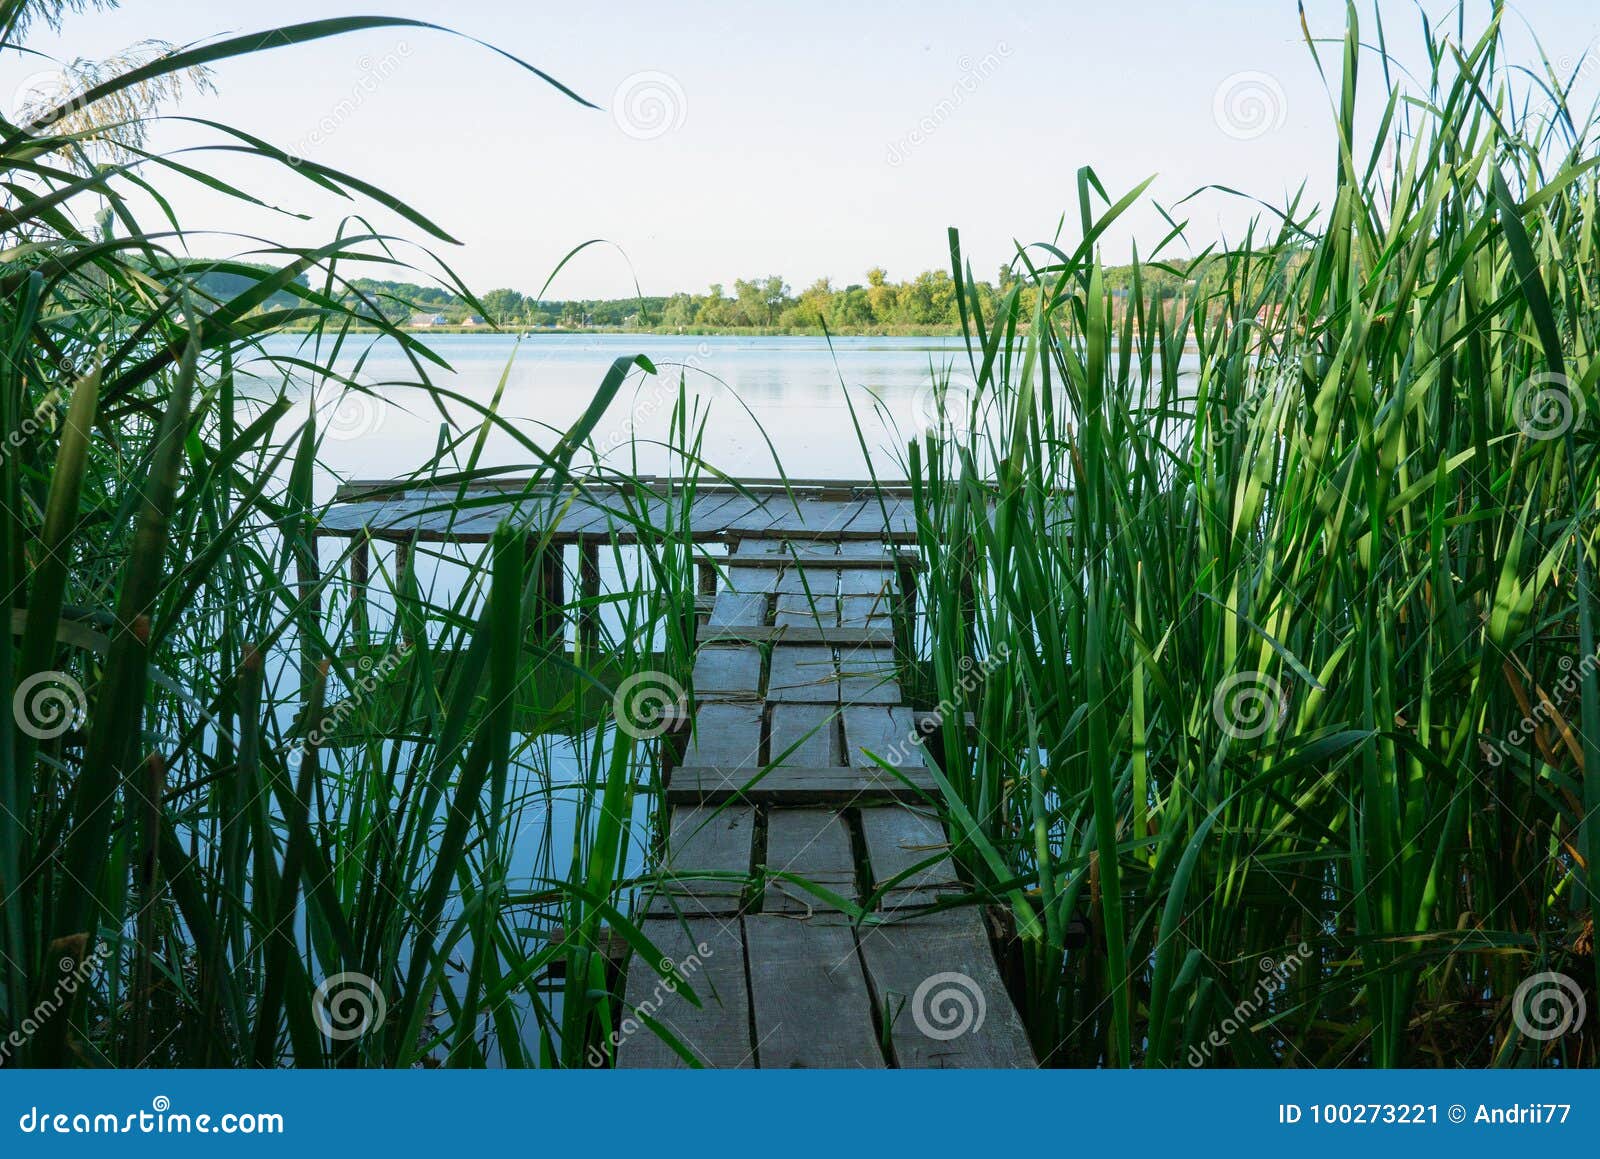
[1302, 670]
[256, 812]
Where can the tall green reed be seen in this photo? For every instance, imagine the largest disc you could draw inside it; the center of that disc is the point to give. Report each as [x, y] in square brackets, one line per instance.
[256, 812]
[1292, 585]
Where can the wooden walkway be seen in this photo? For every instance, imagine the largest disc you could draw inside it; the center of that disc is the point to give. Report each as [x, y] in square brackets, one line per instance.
[780, 816]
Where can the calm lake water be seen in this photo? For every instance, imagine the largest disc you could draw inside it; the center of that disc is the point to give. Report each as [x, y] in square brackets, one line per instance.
[794, 392]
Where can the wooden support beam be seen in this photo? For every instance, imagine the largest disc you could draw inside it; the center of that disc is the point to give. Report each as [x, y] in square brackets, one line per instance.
[782, 559]
[548, 623]
[360, 563]
[798, 785]
[796, 634]
[589, 592]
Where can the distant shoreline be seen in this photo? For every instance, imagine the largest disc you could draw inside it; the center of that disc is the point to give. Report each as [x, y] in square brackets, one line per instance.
[730, 332]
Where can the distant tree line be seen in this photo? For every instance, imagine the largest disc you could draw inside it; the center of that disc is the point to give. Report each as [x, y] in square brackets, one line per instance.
[924, 303]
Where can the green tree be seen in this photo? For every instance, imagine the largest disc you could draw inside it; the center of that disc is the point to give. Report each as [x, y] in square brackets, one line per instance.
[504, 306]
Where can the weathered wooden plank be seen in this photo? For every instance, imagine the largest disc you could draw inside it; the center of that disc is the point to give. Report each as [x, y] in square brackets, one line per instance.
[867, 612]
[810, 634]
[803, 673]
[810, 730]
[738, 507]
[738, 609]
[692, 784]
[677, 902]
[717, 511]
[868, 676]
[727, 670]
[702, 839]
[937, 989]
[726, 733]
[808, 994]
[710, 954]
[907, 851]
[812, 844]
[752, 580]
[854, 558]
[664, 903]
[808, 581]
[865, 582]
[896, 519]
[888, 733]
[805, 518]
[806, 611]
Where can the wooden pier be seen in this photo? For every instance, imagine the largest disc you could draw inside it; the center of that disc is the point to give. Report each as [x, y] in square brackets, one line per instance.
[800, 874]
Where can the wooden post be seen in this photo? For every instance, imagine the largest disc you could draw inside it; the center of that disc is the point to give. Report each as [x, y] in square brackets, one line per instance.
[358, 589]
[548, 623]
[402, 560]
[589, 592]
[308, 578]
[908, 601]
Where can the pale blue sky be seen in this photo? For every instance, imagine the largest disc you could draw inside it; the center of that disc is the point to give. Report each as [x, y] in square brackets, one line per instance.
[805, 139]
